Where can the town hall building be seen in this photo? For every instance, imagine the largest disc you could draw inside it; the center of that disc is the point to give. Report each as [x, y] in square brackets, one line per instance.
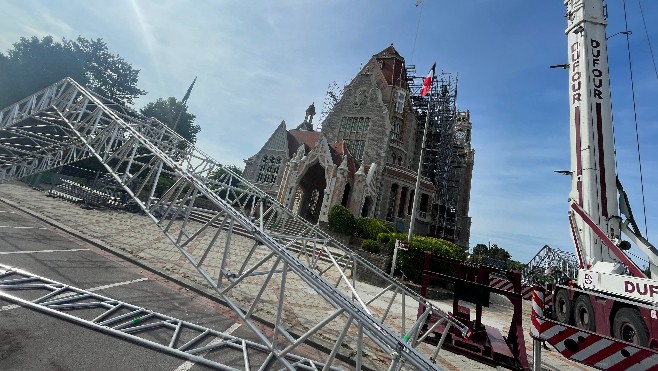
[366, 156]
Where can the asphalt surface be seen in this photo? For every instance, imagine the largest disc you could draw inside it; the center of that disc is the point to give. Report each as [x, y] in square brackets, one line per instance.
[32, 340]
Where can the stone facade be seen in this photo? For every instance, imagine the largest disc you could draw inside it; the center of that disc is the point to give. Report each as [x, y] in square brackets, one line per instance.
[364, 158]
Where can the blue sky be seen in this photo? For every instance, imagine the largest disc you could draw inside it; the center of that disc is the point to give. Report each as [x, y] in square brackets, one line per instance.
[260, 62]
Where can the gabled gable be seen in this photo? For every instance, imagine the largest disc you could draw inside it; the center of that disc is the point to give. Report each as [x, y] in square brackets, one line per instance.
[278, 140]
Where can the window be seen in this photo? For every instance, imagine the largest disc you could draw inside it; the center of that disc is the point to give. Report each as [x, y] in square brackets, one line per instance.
[396, 129]
[356, 148]
[354, 124]
[399, 100]
[269, 169]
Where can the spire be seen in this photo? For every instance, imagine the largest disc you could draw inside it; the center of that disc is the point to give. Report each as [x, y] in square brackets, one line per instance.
[189, 90]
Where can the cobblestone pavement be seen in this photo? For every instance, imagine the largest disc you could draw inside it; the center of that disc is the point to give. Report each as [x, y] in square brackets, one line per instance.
[136, 237]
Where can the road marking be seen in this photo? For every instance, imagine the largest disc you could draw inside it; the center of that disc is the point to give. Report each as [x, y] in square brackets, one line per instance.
[117, 284]
[188, 364]
[35, 251]
[14, 306]
[11, 226]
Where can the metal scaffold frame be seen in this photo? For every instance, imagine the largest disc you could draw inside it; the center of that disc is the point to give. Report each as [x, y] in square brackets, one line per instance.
[438, 159]
[139, 325]
[550, 264]
[261, 259]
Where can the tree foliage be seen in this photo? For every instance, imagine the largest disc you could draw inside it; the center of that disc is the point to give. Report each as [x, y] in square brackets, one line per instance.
[493, 252]
[222, 176]
[32, 64]
[496, 256]
[173, 113]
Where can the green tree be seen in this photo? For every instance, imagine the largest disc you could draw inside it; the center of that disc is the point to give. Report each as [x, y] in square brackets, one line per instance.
[493, 252]
[482, 252]
[221, 175]
[173, 113]
[32, 64]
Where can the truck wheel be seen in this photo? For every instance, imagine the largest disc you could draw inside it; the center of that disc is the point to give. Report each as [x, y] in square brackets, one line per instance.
[583, 313]
[629, 326]
[562, 305]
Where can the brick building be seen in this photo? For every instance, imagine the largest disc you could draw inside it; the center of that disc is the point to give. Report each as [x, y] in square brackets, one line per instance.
[366, 157]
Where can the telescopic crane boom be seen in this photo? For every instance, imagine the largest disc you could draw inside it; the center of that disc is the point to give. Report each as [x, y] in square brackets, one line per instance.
[594, 215]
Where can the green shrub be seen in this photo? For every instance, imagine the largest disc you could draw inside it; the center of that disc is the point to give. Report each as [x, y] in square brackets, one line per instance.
[341, 220]
[383, 237]
[410, 262]
[370, 246]
[370, 228]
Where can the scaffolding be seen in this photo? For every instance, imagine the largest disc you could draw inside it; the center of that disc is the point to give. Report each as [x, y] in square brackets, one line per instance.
[438, 163]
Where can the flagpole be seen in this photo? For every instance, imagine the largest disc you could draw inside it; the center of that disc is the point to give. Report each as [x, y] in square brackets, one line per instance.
[420, 167]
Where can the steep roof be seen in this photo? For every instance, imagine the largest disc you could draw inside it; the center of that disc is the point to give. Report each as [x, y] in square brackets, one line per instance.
[392, 66]
[298, 137]
[277, 140]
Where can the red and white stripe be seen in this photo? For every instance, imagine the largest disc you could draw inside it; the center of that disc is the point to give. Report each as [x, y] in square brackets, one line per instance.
[586, 347]
[537, 313]
[504, 284]
[501, 283]
[548, 299]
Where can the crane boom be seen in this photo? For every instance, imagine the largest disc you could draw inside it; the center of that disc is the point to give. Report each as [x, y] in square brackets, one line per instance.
[593, 185]
[595, 218]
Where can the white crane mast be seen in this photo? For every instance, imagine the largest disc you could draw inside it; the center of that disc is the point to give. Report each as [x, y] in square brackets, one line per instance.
[592, 150]
[594, 215]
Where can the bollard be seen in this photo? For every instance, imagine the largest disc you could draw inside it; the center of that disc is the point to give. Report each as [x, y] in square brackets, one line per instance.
[535, 330]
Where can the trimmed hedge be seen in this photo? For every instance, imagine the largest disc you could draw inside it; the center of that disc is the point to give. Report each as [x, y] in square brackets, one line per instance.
[341, 220]
[370, 246]
[370, 228]
[410, 262]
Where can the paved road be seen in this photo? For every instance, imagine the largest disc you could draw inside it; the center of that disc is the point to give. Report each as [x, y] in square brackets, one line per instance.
[31, 340]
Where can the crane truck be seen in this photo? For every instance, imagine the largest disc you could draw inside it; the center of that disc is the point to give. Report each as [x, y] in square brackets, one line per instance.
[605, 317]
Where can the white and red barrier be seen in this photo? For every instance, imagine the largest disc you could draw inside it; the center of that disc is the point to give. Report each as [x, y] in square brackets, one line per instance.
[504, 284]
[587, 347]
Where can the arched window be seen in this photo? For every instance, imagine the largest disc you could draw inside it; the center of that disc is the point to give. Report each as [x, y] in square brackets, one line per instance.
[268, 170]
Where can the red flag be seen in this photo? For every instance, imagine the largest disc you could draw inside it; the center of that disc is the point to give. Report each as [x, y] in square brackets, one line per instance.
[427, 82]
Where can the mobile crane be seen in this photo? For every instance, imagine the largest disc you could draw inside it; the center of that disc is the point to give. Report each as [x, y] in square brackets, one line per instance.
[611, 298]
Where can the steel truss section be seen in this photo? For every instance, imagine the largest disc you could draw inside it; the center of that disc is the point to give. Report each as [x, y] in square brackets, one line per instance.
[136, 324]
[550, 263]
[262, 260]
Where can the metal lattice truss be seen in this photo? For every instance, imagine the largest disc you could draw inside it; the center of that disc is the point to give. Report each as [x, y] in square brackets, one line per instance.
[550, 265]
[136, 324]
[268, 265]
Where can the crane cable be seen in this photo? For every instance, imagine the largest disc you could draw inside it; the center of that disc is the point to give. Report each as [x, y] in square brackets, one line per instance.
[419, 4]
[637, 132]
[646, 32]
